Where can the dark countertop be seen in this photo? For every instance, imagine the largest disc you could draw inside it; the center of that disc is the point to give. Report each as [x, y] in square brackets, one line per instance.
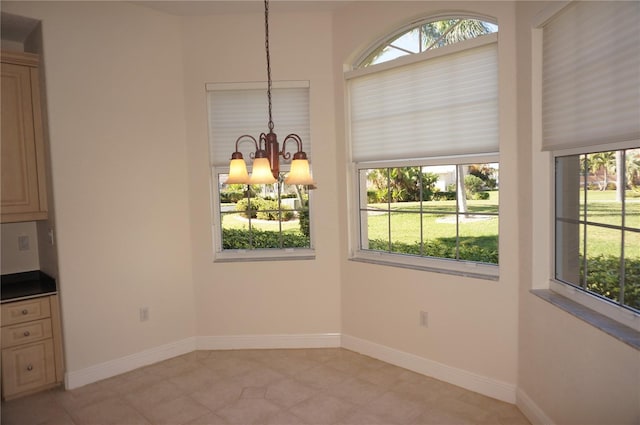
[17, 286]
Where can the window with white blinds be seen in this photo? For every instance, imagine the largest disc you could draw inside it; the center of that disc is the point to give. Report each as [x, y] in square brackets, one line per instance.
[424, 141]
[254, 222]
[442, 102]
[591, 76]
[242, 108]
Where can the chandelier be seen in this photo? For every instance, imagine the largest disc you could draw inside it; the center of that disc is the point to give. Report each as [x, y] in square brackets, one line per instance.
[266, 158]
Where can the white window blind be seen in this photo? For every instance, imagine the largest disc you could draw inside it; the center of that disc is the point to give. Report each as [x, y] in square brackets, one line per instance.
[591, 75]
[445, 105]
[238, 109]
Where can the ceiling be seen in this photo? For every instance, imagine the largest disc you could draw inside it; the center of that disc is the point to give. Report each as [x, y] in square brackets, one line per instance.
[216, 7]
[18, 28]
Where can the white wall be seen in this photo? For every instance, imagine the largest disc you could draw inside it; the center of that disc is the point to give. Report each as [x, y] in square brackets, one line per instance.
[130, 172]
[273, 297]
[472, 323]
[119, 170]
[569, 371]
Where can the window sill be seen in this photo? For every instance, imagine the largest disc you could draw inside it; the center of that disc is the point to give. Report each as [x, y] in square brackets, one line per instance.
[472, 270]
[264, 255]
[621, 332]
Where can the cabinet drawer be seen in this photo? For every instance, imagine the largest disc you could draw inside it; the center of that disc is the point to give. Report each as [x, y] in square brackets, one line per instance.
[24, 333]
[27, 367]
[25, 311]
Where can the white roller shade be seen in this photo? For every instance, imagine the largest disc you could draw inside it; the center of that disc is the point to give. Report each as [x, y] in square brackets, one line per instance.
[444, 105]
[591, 75]
[238, 109]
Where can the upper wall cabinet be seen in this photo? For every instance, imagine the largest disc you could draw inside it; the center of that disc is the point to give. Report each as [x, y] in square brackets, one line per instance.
[23, 195]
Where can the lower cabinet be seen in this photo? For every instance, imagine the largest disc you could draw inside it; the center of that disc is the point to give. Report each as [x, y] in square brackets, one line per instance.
[31, 348]
[28, 367]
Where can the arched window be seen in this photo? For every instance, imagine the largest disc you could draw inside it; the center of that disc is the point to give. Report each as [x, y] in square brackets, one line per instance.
[423, 121]
[427, 35]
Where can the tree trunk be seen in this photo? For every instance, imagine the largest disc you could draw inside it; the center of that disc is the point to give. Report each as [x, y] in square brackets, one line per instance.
[620, 176]
[462, 193]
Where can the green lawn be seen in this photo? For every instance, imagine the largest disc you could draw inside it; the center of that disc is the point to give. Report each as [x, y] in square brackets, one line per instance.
[236, 221]
[400, 222]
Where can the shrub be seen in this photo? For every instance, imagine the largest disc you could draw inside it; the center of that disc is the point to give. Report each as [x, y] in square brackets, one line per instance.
[263, 209]
[260, 239]
[231, 196]
[243, 207]
[445, 196]
[269, 211]
[604, 276]
[480, 196]
[439, 249]
[303, 216]
[472, 184]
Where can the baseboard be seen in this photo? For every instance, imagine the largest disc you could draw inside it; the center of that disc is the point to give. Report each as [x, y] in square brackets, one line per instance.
[462, 378]
[128, 363]
[465, 379]
[231, 342]
[531, 410]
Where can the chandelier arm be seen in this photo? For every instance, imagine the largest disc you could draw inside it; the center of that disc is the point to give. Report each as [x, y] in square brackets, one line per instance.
[295, 138]
[242, 139]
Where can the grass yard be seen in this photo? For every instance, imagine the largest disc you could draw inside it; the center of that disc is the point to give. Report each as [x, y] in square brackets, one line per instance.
[404, 226]
[236, 221]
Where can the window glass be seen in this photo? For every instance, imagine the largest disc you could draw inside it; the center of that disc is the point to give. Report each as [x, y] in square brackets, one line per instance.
[432, 211]
[424, 137]
[263, 216]
[428, 35]
[257, 221]
[598, 224]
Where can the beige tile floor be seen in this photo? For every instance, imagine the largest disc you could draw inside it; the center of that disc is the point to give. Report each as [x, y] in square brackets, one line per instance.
[310, 386]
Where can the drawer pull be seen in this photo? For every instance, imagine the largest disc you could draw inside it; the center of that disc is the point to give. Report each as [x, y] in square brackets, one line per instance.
[26, 333]
[25, 311]
[30, 368]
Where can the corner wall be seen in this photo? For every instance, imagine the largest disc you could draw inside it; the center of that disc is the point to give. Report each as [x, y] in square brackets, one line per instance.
[119, 175]
[472, 329]
[569, 372]
[263, 300]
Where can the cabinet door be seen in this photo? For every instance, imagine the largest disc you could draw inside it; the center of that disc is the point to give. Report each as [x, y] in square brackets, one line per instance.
[21, 145]
[25, 311]
[27, 367]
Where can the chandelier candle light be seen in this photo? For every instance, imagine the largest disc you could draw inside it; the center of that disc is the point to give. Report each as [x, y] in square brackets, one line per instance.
[266, 159]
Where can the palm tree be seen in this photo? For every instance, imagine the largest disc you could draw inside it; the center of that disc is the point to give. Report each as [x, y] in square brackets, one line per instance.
[633, 167]
[433, 35]
[601, 161]
[619, 176]
[450, 31]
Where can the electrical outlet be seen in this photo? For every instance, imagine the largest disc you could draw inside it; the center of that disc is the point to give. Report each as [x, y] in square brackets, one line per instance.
[424, 319]
[144, 314]
[23, 243]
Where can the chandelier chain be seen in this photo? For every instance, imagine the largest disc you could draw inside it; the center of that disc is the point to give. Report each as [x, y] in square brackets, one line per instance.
[266, 45]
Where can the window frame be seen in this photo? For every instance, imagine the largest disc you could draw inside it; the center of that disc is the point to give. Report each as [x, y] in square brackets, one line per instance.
[380, 43]
[457, 267]
[259, 254]
[543, 217]
[477, 270]
[575, 293]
